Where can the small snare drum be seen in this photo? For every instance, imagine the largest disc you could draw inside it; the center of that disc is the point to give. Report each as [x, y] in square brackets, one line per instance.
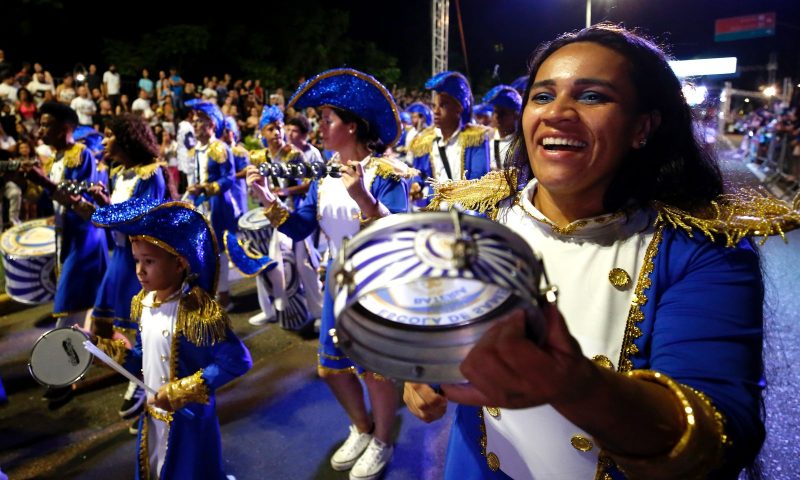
[29, 259]
[58, 357]
[413, 293]
[256, 230]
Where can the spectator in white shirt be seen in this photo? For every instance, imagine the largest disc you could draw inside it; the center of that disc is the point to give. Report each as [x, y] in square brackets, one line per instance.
[84, 106]
[111, 85]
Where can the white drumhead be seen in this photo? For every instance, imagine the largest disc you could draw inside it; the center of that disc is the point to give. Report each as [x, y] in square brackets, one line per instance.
[35, 238]
[59, 358]
[254, 220]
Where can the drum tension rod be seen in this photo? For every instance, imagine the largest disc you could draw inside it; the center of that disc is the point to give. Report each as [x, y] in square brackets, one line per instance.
[465, 250]
[344, 275]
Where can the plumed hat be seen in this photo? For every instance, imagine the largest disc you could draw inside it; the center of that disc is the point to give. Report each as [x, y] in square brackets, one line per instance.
[422, 109]
[174, 226]
[455, 85]
[210, 109]
[270, 113]
[355, 92]
[504, 96]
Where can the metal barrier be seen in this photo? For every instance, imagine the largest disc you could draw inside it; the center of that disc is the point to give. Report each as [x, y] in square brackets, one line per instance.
[768, 153]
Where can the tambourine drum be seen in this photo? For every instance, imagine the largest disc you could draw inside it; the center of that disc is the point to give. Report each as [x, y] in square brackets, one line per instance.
[255, 227]
[59, 358]
[29, 259]
[413, 293]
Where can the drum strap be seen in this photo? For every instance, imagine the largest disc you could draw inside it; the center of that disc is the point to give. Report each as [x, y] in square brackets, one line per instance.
[497, 155]
[443, 155]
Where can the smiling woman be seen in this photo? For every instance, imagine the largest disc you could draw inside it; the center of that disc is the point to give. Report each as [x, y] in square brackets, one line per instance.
[652, 362]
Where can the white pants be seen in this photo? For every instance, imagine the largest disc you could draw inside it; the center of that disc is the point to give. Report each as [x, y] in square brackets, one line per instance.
[13, 194]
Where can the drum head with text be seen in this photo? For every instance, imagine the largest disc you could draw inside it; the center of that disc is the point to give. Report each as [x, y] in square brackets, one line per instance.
[59, 358]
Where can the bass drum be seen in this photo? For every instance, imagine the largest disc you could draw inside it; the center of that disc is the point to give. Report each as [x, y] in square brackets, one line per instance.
[29, 261]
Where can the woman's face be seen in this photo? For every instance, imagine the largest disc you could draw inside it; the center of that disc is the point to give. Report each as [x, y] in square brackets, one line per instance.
[335, 133]
[24, 150]
[580, 120]
[110, 150]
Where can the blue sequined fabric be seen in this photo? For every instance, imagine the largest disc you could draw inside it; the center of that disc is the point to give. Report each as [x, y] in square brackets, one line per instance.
[457, 86]
[504, 96]
[177, 224]
[270, 113]
[355, 92]
[422, 109]
[249, 263]
[210, 109]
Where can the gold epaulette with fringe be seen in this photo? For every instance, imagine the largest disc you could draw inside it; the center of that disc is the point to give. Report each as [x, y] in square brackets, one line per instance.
[136, 306]
[240, 151]
[735, 216]
[422, 143]
[201, 319]
[73, 155]
[473, 135]
[115, 170]
[146, 171]
[392, 168]
[481, 194]
[218, 151]
[290, 153]
[257, 157]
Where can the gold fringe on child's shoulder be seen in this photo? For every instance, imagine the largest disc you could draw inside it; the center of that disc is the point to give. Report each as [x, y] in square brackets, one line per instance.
[735, 216]
[481, 194]
[473, 135]
[393, 169]
[201, 319]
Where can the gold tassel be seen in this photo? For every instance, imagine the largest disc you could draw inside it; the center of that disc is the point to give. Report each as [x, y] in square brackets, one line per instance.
[473, 136]
[393, 169]
[257, 157]
[218, 151]
[240, 151]
[136, 306]
[421, 145]
[277, 213]
[114, 348]
[191, 389]
[201, 319]
[290, 153]
[72, 156]
[146, 171]
[736, 216]
[481, 194]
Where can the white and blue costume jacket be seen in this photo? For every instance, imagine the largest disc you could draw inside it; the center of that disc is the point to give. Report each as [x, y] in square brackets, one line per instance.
[119, 285]
[241, 159]
[82, 250]
[215, 169]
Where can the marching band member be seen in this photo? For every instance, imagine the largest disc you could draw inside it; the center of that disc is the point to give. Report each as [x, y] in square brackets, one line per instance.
[359, 118]
[241, 159]
[506, 104]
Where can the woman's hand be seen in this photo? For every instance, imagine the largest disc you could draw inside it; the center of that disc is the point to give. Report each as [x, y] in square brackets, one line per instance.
[161, 400]
[424, 402]
[194, 190]
[353, 179]
[258, 186]
[98, 193]
[83, 208]
[506, 369]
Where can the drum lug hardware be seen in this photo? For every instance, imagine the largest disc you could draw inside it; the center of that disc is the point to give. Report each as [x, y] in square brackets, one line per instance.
[550, 294]
[344, 275]
[465, 250]
[418, 370]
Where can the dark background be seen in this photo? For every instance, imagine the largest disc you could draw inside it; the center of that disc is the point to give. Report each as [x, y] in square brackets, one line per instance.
[280, 42]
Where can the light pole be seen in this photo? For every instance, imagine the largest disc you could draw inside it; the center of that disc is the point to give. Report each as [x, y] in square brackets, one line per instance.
[588, 13]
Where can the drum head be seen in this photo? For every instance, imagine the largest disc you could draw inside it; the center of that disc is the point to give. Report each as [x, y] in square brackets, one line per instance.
[415, 292]
[30, 239]
[59, 358]
[254, 220]
[29, 261]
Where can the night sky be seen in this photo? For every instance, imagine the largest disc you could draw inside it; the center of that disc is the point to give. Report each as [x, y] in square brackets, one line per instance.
[498, 32]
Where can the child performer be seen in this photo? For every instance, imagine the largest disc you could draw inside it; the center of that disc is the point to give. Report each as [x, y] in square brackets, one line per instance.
[185, 347]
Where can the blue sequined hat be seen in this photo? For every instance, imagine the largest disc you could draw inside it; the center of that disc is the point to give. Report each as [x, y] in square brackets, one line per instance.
[504, 96]
[455, 85]
[270, 113]
[483, 109]
[210, 109]
[174, 226]
[519, 84]
[405, 117]
[355, 92]
[90, 137]
[232, 126]
[422, 109]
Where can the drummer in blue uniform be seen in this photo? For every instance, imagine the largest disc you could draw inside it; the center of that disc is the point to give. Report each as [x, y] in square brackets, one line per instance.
[454, 149]
[506, 104]
[359, 119]
[241, 159]
[94, 141]
[213, 159]
[483, 114]
[81, 248]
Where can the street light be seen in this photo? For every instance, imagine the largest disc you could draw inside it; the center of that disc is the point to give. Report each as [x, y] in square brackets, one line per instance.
[588, 13]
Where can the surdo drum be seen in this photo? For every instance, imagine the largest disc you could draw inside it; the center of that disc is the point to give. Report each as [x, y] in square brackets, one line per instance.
[29, 260]
[413, 293]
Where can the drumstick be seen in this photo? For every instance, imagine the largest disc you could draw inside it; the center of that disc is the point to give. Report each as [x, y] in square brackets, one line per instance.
[92, 348]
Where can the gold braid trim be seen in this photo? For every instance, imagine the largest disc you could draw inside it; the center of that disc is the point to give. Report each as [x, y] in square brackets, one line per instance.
[473, 136]
[201, 319]
[422, 143]
[155, 241]
[240, 151]
[736, 216]
[191, 389]
[277, 213]
[212, 188]
[217, 151]
[114, 171]
[136, 306]
[481, 194]
[146, 171]
[392, 169]
[701, 446]
[290, 153]
[144, 451]
[158, 414]
[113, 348]
[257, 157]
[72, 155]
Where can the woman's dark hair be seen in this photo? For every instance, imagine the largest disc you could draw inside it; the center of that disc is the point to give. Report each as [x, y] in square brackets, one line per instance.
[364, 132]
[134, 136]
[672, 167]
[28, 96]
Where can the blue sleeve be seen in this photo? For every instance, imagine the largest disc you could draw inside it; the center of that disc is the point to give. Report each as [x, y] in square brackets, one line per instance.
[154, 187]
[231, 359]
[423, 164]
[393, 194]
[477, 162]
[224, 171]
[302, 222]
[708, 332]
[240, 163]
[133, 360]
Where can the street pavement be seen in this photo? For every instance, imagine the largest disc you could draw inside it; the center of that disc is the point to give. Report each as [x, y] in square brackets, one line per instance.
[279, 421]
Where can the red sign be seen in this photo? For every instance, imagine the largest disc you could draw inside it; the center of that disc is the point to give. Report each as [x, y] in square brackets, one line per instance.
[760, 21]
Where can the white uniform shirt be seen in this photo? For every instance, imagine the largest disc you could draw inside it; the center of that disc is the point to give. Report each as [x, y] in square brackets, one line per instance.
[453, 151]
